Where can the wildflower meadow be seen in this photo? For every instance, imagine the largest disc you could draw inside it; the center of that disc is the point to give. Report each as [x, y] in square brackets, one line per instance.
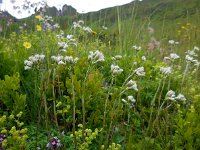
[130, 85]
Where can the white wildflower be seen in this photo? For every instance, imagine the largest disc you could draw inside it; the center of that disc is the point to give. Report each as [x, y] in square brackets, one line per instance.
[180, 97]
[76, 25]
[42, 57]
[166, 70]
[140, 71]
[174, 56]
[171, 42]
[116, 70]
[135, 63]
[191, 53]
[69, 36]
[33, 60]
[96, 56]
[70, 59]
[57, 58]
[144, 58]
[87, 29]
[136, 47]
[28, 63]
[131, 85]
[131, 99]
[166, 59]
[27, 67]
[170, 95]
[176, 43]
[63, 45]
[61, 62]
[190, 59]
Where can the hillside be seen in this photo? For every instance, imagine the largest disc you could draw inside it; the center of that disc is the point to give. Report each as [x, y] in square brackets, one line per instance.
[153, 11]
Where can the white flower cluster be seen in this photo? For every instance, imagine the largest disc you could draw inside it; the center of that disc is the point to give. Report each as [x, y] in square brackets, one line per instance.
[46, 19]
[63, 45]
[190, 59]
[135, 47]
[61, 60]
[172, 42]
[96, 56]
[130, 101]
[140, 71]
[69, 36]
[87, 29]
[172, 96]
[144, 58]
[64, 42]
[166, 70]
[117, 57]
[78, 24]
[191, 54]
[33, 60]
[116, 70]
[173, 56]
[131, 85]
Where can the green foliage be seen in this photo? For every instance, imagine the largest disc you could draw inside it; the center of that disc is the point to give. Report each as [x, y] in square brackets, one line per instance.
[10, 94]
[15, 134]
[89, 137]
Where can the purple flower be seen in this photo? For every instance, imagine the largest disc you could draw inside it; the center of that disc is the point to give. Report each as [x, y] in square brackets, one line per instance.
[54, 143]
[2, 138]
[45, 27]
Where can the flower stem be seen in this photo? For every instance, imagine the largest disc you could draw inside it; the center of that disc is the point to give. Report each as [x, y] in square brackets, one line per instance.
[83, 102]
[74, 113]
[105, 112]
[184, 76]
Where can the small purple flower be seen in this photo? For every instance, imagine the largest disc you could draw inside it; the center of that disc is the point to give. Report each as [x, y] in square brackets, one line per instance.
[54, 143]
[2, 138]
[45, 27]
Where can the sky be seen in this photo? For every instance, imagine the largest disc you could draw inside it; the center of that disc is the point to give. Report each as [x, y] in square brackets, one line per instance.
[82, 6]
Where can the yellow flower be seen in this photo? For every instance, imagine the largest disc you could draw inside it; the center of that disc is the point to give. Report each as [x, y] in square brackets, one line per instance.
[27, 45]
[183, 27]
[38, 17]
[38, 27]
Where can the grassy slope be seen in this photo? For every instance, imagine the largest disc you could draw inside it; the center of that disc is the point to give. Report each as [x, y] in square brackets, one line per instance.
[130, 21]
[165, 16]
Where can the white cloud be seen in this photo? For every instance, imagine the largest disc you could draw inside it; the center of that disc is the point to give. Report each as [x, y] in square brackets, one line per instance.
[82, 6]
